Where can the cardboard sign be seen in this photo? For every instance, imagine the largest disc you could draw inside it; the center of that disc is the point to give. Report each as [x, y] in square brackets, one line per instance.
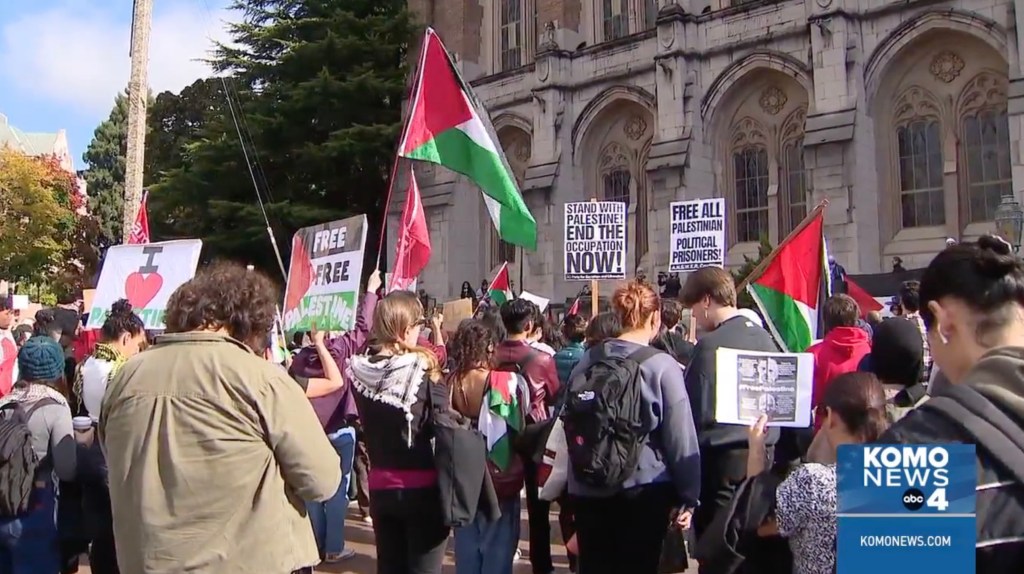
[698, 234]
[595, 240]
[456, 312]
[324, 277]
[146, 275]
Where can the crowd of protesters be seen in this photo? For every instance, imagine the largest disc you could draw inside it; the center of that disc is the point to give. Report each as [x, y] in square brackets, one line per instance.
[194, 452]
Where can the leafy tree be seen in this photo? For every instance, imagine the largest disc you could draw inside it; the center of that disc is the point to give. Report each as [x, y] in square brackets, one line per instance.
[317, 88]
[764, 249]
[177, 119]
[38, 203]
[105, 176]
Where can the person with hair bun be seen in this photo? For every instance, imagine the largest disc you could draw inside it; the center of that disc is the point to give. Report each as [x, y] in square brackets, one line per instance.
[397, 387]
[121, 337]
[622, 529]
[710, 294]
[972, 307]
[852, 410]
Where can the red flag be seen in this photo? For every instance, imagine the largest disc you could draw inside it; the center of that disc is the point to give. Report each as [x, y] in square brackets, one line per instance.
[864, 300]
[413, 240]
[140, 229]
[575, 309]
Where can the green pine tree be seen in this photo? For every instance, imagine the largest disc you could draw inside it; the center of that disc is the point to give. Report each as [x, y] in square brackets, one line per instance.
[317, 87]
[764, 249]
[104, 177]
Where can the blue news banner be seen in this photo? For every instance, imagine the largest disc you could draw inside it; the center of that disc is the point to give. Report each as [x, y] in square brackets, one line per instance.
[906, 508]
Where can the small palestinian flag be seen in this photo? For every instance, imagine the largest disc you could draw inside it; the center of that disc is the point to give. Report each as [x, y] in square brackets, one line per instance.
[500, 289]
[500, 416]
[789, 290]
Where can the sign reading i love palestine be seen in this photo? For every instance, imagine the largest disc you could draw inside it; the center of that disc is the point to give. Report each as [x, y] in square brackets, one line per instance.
[324, 277]
[595, 240]
[146, 275]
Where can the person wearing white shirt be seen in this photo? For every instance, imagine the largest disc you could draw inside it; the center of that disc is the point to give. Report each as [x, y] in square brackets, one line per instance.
[121, 338]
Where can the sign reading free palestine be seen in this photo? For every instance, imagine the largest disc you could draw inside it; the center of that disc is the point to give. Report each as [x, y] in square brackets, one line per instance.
[324, 276]
[145, 275]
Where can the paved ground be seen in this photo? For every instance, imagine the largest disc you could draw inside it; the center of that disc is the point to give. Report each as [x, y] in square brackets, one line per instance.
[359, 536]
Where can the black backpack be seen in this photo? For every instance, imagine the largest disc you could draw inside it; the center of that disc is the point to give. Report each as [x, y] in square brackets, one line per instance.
[603, 418]
[18, 462]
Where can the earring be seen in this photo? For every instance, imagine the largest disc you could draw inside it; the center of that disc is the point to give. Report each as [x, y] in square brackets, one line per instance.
[943, 338]
[705, 313]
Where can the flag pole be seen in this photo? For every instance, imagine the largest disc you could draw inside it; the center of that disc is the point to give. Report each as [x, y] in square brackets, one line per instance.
[401, 136]
[522, 264]
[593, 287]
[756, 272]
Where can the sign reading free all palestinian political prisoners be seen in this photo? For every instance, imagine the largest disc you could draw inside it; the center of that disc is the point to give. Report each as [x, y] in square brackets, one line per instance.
[145, 275]
[595, 240]
[698, 234]
[324, 277]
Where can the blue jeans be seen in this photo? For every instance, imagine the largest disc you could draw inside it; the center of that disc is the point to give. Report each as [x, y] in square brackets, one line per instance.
[28, 544]
[488, 547]
[328, 518]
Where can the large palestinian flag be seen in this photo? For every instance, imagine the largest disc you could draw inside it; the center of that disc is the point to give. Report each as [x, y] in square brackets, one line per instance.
[449, 127]
[789, 290]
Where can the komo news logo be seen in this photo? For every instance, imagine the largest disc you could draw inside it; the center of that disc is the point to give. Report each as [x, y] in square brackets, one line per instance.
[919, 471]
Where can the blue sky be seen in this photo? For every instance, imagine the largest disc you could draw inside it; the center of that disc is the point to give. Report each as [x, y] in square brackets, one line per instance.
[62, 62]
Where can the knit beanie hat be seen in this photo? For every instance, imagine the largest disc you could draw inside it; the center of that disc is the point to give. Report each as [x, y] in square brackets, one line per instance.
[897, 352]
[40, 359]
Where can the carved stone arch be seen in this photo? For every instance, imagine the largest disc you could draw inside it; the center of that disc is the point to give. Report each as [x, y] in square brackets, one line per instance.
[608, 98]
[986, 90]
[970, 23]
[916, 102]
[511, 119]
[747, 132]
[760, 60]
[611, 150]
[793, 126]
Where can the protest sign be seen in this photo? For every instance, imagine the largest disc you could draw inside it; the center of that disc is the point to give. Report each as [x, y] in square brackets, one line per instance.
[698, 234]
[537, 300]
[145, 275]
[595, 240]
[324, 277]
[19, 302]
[456, 312]
[906, 508]
[752, 383]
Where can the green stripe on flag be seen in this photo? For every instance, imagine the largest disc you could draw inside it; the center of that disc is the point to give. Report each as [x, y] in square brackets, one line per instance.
[784, 315]
[455, 150]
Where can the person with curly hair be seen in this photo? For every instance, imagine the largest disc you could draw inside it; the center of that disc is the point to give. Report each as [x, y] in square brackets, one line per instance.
[485, 547]
[212, 451]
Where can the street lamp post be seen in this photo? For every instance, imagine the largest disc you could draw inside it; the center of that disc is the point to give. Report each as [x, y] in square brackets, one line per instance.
[1010, 221]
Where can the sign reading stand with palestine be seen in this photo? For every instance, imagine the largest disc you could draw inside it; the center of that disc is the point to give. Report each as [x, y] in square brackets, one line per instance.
[906, 508]
[595, 240]
[324, 277]
[145, 275]
[698, 234]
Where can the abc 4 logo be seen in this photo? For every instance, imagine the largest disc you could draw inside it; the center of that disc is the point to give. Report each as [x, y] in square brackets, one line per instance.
[914, 500]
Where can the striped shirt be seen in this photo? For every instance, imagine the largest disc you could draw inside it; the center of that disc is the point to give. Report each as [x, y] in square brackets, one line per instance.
[916, 318]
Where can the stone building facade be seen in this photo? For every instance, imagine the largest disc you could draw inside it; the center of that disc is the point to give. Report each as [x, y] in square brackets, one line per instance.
[907, 115]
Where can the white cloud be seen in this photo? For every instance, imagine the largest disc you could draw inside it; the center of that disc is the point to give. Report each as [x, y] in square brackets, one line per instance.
[76, 55]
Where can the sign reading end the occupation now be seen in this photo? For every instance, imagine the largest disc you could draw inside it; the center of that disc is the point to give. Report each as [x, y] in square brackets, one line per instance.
[906, 508]
[595, 240]
[698, 234]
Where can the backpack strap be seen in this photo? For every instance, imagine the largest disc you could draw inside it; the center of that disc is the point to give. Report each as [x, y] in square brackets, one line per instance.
[972, 412]
[43, 402]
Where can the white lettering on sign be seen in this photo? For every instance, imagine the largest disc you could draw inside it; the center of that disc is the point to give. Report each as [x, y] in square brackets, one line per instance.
[906, 466]
[330, 239]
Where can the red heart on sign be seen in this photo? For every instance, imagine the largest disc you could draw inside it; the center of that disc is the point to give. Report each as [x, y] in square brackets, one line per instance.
[140, 289]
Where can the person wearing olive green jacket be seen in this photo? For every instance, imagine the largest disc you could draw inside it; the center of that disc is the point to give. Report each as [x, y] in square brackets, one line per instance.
[212, 450]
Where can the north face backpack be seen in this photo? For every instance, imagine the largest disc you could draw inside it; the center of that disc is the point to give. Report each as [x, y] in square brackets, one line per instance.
[603, 418]
[18, 462]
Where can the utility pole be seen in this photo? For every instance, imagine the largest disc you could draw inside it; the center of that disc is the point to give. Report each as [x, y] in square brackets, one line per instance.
[138, 99]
